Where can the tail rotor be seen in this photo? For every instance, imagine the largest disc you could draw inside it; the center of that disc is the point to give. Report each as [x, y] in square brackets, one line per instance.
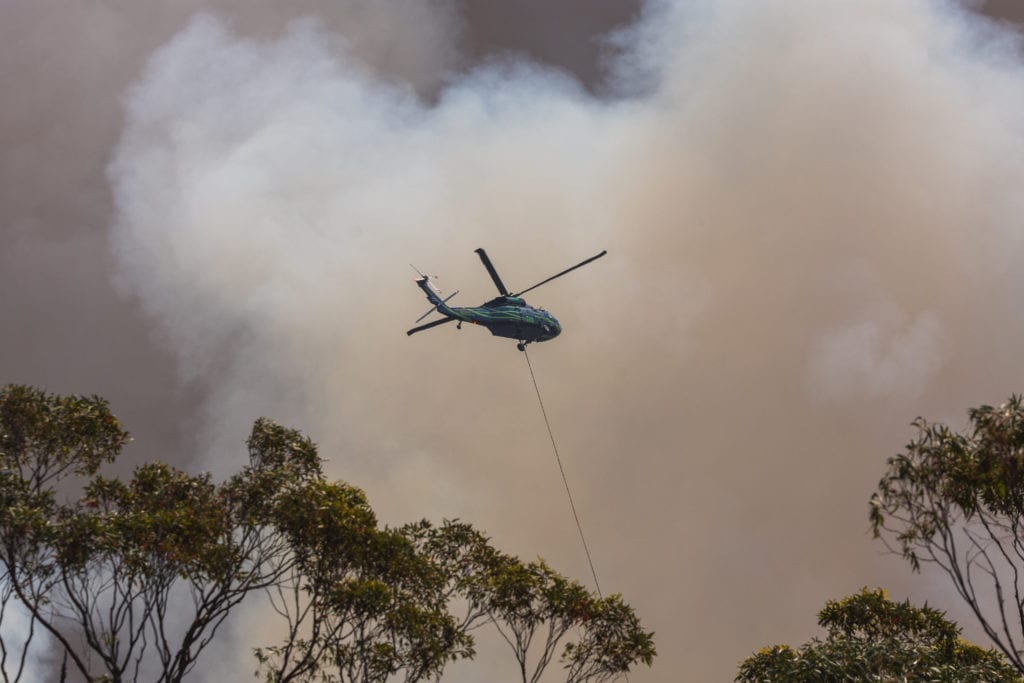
[426, 282]
[444, 301]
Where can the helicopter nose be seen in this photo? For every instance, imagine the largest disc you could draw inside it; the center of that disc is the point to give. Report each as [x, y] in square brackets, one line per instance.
[556, 328]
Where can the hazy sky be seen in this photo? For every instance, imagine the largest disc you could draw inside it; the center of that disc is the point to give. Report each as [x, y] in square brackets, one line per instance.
[812, 212]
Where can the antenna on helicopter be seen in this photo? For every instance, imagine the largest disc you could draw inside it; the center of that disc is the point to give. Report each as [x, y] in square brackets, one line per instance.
[429, 277]
[434, 289]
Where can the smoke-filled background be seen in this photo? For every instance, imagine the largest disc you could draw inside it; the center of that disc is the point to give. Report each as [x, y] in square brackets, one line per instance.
[812, 210]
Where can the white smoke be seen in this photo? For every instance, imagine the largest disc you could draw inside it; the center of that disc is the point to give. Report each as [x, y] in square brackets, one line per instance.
[812, 215]
[27, 646]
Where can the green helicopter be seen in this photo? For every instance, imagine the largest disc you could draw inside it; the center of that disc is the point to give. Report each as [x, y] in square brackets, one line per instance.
[507, 315]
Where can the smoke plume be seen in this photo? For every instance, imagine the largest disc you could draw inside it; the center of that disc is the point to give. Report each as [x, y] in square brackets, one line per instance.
[812, 214]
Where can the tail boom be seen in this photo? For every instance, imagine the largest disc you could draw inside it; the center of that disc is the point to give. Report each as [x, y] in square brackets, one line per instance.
[434, 297]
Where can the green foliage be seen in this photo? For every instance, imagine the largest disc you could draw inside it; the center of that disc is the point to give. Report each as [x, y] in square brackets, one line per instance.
[871, 638]
[45, 437]
[284, 451]
[610, 644]
[161, 520]
[870, 616]
[133, 575]
[374, 605]
[525, 600]
[323, 521]
[466, 560]
[956, 501]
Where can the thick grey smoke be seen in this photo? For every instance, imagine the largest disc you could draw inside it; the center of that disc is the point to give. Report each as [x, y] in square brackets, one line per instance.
[811, 209]
[812, 222]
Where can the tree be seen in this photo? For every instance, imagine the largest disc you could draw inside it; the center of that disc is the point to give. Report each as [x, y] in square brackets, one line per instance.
[870, 638]
[956, 501]
[103, 572]
[360, 603]
[534, 608]
[610, 643]
[466, 561]
[43, 439]
[133, 578]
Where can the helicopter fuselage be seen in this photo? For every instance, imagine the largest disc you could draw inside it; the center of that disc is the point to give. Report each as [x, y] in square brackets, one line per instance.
[503, 316]
[509, 316]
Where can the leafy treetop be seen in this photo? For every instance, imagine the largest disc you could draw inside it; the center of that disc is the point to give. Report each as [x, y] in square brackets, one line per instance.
[871, 638]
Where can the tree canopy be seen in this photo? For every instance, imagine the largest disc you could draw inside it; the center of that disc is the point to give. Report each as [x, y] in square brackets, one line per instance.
[871, 638]
[955, 501]
[133, 578]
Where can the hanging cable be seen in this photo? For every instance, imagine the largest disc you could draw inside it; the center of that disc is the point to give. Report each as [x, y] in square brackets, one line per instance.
[561, 469]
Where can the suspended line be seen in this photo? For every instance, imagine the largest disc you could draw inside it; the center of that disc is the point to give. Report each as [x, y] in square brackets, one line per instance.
[561, 469]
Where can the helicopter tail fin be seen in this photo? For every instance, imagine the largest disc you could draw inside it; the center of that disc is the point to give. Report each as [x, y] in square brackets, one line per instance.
[434, 297]
[428, 287]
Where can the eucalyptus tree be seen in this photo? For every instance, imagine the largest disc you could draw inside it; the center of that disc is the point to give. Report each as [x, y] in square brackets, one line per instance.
[133, 578]
[538, 612]
[44, 439]
[871, 638]
[955, 501]
[359, 603]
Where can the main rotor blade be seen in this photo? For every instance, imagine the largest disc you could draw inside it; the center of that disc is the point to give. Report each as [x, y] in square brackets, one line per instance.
[494, 274]
[567, 270]
[442, 321]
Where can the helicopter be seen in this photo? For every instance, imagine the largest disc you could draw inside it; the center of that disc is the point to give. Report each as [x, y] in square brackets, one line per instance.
[507, 315]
